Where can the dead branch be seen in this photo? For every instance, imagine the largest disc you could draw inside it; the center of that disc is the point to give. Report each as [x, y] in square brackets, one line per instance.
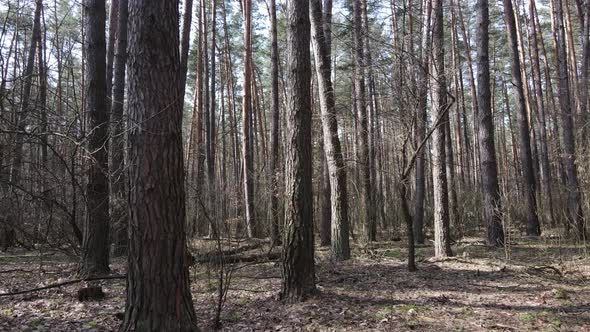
[232, 259]
[65, 283]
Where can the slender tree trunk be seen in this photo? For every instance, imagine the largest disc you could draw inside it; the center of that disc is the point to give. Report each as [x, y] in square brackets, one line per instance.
[360, 101]
[248, 162]
[333, 150]
[21, 117]
[118, 197]
[298, 248]
[489, 166]
[575, 216]
[585, 76]
[421, 122]
[185, 35]
[274, 139]
[95, 244]
[442, 240]
[473, 88]
[158, 287]
[533, 226]
[113, 27]
[211, 142]
[541, 124]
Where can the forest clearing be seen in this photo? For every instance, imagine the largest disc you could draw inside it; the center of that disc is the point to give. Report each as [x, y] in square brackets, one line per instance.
[545, 286]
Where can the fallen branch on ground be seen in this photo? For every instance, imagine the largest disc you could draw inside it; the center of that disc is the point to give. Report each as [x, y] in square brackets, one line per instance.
[238, 258]
[230, 252]
[65, 283]
[544, 268]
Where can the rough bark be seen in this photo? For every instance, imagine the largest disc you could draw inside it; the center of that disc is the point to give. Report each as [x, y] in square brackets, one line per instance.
[333, 149]
[575, 216]
[95, 244]
[442, 240]
[545, 168]
[363, 152]
[489, 165]
[274, 139]
[158, 289]
[298, 247]
[422, 114]
[248, 162]
[524, 141]
[211, 129]
[118, 196]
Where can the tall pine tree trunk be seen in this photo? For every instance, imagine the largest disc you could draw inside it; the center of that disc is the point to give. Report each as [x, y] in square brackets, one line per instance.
[117, 144]
[298, 248]
[248, 158]
[95, 244]
[575, 216]
[363, 153]
[158, 288]
[442, 240]
[333, 150]
[524, 140]
[274, 138]
[489, 165]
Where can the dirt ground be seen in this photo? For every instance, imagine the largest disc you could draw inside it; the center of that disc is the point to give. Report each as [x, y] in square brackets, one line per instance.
[544, 286]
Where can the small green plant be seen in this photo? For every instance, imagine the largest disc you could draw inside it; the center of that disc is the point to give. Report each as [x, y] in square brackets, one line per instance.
[560, 293]
[34, 323]
[384, 313]
[527, 317]
[415, 307]
[7, 312]
[395, 253]
[92, 324]
[467, 312]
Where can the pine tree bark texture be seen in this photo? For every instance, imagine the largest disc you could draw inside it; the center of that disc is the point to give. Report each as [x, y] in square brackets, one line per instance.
[526, 159]
[275, 236]
[95, 243]
[442, 241]
[158, 289]
[489, 165]
[363, 152]
[575, 216]
[298, 246]
[248, 158]
[333, 150]
[118, 197]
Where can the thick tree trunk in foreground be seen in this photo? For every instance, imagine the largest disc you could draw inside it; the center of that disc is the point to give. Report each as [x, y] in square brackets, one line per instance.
[526, 159]
[487, 152]
[442, 240]
[158, 289]
[333, 149]
[298, 247]
[95, 243]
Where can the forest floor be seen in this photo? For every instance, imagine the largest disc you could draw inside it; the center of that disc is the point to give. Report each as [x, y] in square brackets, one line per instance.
[544, 286]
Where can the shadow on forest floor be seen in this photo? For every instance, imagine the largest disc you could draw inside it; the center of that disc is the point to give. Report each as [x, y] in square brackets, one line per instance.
[544, 286]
